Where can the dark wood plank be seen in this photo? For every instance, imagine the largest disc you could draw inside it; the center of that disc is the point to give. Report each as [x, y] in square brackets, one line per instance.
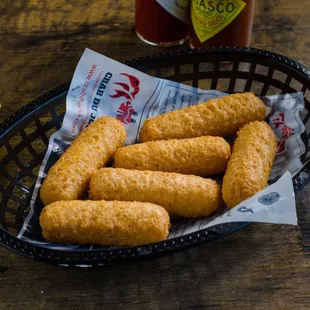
[262, 267]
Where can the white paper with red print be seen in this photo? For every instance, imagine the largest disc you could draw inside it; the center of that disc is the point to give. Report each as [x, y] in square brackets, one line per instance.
[102, 86]
[283, 117]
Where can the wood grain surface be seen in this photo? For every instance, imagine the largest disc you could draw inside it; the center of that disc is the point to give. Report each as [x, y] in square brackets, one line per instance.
[261, 267]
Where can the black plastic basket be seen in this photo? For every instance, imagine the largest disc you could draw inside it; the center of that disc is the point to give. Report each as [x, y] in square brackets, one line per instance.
[24, 139]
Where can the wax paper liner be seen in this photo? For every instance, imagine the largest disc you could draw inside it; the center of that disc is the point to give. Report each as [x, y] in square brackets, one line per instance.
[102, 86]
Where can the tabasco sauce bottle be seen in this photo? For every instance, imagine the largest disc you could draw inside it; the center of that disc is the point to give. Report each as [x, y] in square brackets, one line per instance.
[163, 22]
[221, 22]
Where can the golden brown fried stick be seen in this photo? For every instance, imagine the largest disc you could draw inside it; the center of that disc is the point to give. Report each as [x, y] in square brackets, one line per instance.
[68, 179]
[104, 222]
[181, 195]
[201, 156]
[250, 164]
[217, 117]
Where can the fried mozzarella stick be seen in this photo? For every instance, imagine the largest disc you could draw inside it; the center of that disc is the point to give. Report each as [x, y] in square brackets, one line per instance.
[216, 117]
[180, 195]
[201, 156]
[69, 178]
[104, 222]
[250, 164]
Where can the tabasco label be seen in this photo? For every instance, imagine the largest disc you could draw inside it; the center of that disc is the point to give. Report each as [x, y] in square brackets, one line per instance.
[210, 17]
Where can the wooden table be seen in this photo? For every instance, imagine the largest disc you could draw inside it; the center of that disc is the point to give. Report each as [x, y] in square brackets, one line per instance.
[261, 267]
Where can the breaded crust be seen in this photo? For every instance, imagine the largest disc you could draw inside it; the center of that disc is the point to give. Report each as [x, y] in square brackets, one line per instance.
[180, 195]
[201, 156]
[68, 179]
[104, 222]
[217, 117]
[250, 164]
